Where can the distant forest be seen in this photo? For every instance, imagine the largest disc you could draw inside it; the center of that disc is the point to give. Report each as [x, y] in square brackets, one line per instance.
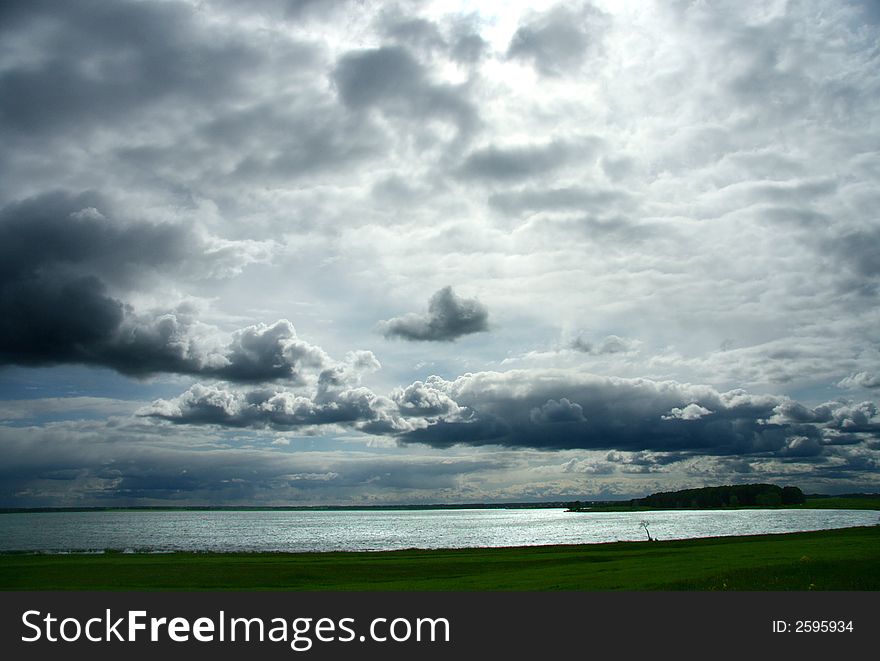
[736, 495]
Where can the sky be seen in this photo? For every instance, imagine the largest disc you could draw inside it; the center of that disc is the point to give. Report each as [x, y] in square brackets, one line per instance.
[303, 252]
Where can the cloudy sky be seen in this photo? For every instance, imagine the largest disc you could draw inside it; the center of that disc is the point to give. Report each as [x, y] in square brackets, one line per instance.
[311, 252]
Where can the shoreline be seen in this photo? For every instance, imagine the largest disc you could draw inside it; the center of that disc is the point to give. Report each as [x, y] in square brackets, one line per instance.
[837, 559]
[128, 551]
[860, 502]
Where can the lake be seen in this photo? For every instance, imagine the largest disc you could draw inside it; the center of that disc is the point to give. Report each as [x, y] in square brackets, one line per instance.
[382, 530]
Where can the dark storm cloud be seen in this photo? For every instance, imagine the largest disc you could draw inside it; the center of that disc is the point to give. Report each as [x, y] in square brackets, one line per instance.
[257, 352]
[557, 411]
[167, 343]
[64, 232]
[45, 322]
[59, 258]
[518, 162]
[554, 409]
[97, 61]
[392, 80]
[74, 322]
[559, 40]
[448, 318]
[646, 424]
[53, 305]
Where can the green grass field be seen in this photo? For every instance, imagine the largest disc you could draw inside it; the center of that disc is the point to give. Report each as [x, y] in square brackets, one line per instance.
[847, 559]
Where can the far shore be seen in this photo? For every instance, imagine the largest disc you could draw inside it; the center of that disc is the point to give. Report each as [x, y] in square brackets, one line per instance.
[828, 503]
[861, 502]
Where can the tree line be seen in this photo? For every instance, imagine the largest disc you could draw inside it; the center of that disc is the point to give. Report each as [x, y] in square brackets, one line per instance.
[733, 495]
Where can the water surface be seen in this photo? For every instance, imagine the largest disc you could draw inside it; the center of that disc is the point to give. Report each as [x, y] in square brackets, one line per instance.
[158, 531]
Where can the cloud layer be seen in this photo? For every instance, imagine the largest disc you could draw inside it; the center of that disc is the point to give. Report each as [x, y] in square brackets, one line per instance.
[549, 410]
[207, 206]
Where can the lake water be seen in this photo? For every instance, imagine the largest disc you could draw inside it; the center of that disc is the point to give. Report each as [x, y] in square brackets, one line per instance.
[374, 530]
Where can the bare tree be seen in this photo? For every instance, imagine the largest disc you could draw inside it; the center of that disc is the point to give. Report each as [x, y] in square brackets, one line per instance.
[645, 524]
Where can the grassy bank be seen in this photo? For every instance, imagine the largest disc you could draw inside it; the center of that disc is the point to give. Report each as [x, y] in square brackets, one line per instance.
[847, 559]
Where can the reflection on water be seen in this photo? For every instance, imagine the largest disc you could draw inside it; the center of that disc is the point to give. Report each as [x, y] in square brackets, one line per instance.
[387, 530]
